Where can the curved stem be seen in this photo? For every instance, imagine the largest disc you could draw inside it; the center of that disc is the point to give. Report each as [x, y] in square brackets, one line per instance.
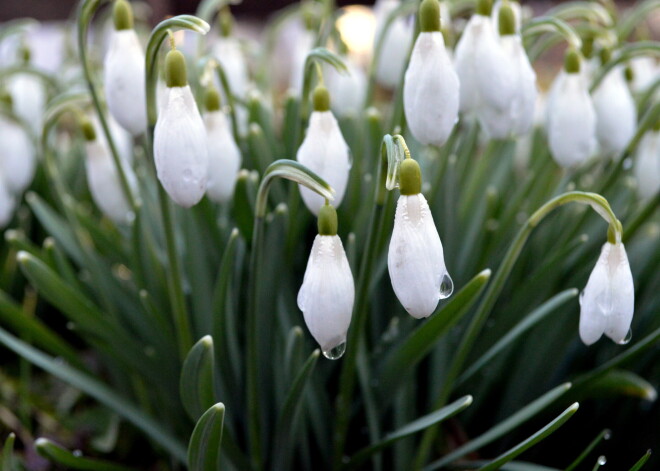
[550, 24]
[639, 14]
[627, 52]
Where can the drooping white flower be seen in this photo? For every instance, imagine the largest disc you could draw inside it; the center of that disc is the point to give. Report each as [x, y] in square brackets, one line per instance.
[571, 118]
[17, 156]
[7, 202]
[347, 89]
[430, 87]
[415, 258]
[325, 152]
[124, 72]
[647, 164]
[616, 113]
[645, 72]
[396, 44]
[227, 50]
[608, 300]
[328, 291]
[302, 47]
[180, 146]
[28, 99]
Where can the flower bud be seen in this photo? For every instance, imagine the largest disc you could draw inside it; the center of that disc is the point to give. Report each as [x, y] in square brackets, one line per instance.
[396, 43]
[647, 164]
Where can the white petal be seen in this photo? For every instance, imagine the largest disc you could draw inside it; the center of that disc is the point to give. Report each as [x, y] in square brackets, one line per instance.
[228, 53]
[647, 165]
[465, 63]
[224, 157]
[302, 46]
[616, 113]
[430, 91]
[415, 259]
[7, 203]
[325, 152]
[123, 75]
[327, 293]
[28, 99]
[346, 90]
[180, 149]
[396, 44]
[17, 156]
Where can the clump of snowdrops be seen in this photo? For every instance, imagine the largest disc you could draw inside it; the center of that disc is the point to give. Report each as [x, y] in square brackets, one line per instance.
[213, 220]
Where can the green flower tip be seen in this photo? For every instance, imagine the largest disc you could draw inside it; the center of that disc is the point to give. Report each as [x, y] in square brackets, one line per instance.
[226, 22]
[588, 46]
[212, 99]
[605, 55]
[410, 177]
[122, 15]
[429, 16]
[327, 220]
[506, 20]
[6, 99]
[87, 129]
[321, 99]
[25, 54]
[629, 73]
[572, 61]
[484, 7]
[308, 17]
[175, 69]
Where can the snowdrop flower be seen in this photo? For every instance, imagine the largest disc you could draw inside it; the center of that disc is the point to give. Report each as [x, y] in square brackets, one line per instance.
[324, 151]
[396, 44]
[487, 78]
[616, 113]
[227, 51]
[224, 154]
[103, 179]
[348, 89]
[430, 87]
[647, 165]
[302, 46]
[571, 118]
[517, 118]
[415, 259]
[28, 98]
[7, 202]
[123, 72]
[645, 71]
[17, 156]
[180, 147]
[607, 302]
[327, 293]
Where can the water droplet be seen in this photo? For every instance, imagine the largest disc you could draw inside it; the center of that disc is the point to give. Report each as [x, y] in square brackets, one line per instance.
[335, 353]
[77, 453]
[602, 460]
[607, 435]
[626, 339]
[446, 286]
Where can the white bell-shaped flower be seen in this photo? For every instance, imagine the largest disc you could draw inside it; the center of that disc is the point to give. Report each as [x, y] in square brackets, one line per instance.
[325, 152]
[180, 146]
[227, 50]
[17, 156]
[124, 71]
[645, 71]
[607, 302]
[224, 154]
[301, 48]
[347, 89]
[396, 44]
[28, 99]
[7, 202]
[430, 88]
[647, 164]
[616, 113]
[571, 118]
[415, 258]
[327, 293]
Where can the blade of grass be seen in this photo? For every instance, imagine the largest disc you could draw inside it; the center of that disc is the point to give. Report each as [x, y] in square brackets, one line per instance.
[56, 454]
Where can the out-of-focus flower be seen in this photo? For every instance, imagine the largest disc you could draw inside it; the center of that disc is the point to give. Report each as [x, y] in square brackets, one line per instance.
[430, 88]
[28, 98]
[645, 71]
[17, 156]
[123, 72]
[327, 293]
[180, 146]
[7, 201]
[608, 300]
[301, 47]
[396, 44]
[347, 89]
[324, 151]
[647, 164]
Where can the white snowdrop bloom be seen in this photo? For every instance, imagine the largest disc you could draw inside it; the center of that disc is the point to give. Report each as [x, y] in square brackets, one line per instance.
[17, 156]
[224, 154]
[28, 99]
[303, 45]
[647, 164]
[415, 258]
[396, 44]
[180, 146]
[328, 291]
[616, 113]
[227, 50]
[7, 203]
[325, 152]
[608, 300]
[571, 118]
[347, 89]
[645, 72]
[430, 87]
[123, 73]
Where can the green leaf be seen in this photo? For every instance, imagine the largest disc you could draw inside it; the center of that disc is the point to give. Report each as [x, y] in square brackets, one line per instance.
[642, 461]
[621, 382]
[196, 382]
[413, 427]
[421, 341]
[604, 435]
[245, 193]
[546, 431]
[55, 453]
[206, 440]
[503, 427]
[8, 461]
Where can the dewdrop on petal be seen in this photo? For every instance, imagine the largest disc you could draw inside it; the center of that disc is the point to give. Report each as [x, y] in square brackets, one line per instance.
[328, 291]
[124, 71]
[415, 258]
[647, 164]
[17, 156]
[180, 147]
[224, 155]
[430, 88]
[571, 118]
[324, 151]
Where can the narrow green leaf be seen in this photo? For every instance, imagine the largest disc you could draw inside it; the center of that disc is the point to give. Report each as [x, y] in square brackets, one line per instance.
[604, 435]
[56, 454]
[413, 427]
[421, 341]
[196, 381]
[8, 462]
[511, 466]
[546, 431]
[642, 461]
[616, 382]
[245, 194]
[206, 440]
